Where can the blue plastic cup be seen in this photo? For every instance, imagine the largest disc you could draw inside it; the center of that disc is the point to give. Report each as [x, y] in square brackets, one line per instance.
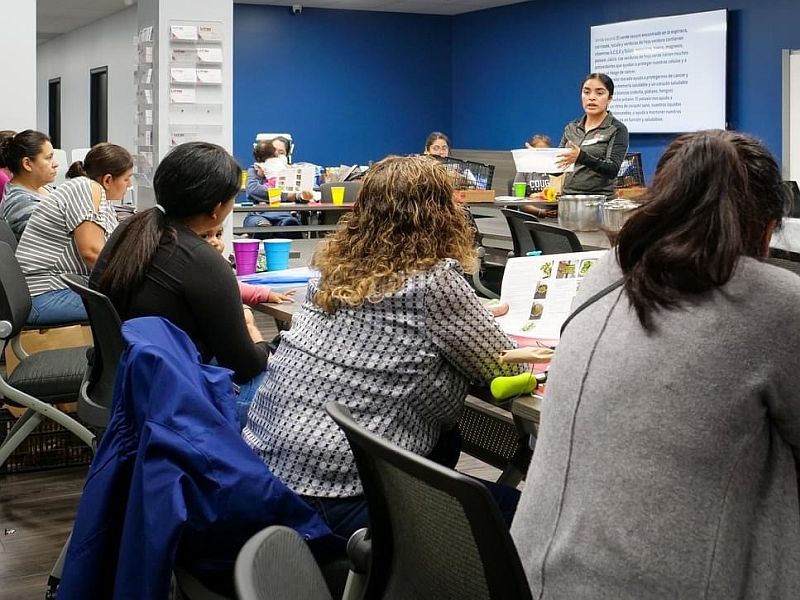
[277, 253]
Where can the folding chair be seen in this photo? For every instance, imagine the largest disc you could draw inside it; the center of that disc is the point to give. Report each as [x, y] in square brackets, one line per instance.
[41, 379]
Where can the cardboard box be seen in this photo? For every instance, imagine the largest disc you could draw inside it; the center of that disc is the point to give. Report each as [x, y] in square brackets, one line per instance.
[473, 196]
[631, 193]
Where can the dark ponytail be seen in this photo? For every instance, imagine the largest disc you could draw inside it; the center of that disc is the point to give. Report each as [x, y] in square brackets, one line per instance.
[6, 134]
[191, 180]
[131, 255]
[713, 194]
[76, 169]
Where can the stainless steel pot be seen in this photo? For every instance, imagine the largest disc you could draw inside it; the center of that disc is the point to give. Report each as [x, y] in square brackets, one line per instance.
[579, 212]
[614, 213]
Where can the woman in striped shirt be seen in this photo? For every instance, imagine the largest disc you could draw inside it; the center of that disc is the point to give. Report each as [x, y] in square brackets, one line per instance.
[67, 231]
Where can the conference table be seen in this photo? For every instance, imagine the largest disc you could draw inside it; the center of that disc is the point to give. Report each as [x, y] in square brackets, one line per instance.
[310, 207]
[497, 433]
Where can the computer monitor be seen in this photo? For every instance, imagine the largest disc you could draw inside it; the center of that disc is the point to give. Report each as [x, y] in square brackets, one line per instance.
[793, 192]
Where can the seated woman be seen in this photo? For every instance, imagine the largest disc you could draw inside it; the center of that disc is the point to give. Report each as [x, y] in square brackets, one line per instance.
[28, 155]
[68, 230]
[267, 160]
[391, 329]
[437, 144]
[665, 465]
[156, 263]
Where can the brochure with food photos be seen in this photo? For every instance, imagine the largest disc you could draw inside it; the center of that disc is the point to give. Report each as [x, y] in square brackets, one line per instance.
[539, 291]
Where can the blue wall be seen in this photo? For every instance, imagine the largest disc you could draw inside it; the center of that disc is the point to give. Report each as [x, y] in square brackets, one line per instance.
[517, 69]
[361, 85]
[366, 84]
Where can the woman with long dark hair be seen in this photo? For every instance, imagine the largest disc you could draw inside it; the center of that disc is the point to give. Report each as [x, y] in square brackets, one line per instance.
[67, 231]
[156, 263]
[665, 463]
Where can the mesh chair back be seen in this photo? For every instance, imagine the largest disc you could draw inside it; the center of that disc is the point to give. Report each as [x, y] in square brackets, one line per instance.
[550, 239]
[15, 300]
[276, 564]
[520, 235]
[351, 189]
[7, 235]
[97, 390]
[435, 533]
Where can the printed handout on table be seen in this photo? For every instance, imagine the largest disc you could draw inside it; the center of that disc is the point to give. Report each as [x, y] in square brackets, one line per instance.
[539, 291]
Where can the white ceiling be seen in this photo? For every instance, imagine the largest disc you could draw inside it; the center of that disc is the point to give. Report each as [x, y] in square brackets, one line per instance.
[55, 17]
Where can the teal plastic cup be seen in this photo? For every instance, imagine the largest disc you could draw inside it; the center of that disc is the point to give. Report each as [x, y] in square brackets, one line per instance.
[277, 253]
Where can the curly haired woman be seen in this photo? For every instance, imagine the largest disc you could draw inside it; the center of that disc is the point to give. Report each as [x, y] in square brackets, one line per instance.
[392, 330]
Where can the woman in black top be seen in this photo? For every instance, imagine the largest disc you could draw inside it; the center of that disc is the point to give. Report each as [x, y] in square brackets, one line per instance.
[156, 263]
[596, 143]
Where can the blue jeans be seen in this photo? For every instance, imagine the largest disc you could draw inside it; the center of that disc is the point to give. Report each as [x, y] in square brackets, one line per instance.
[56, 308]
[247, 391]
[258, 219]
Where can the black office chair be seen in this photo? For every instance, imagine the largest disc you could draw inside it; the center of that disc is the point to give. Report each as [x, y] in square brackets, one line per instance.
[97, 388]
[551, 239]
[276, 564]
[520, 236]
[7, 235]
[435, 533]
[42, 379]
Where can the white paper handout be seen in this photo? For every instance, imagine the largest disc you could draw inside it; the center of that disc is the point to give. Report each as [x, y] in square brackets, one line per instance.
[182, 95]
[209, 75]
[539, 160]
[209, 55]
[183, 75]
[209, 33]
[183, 32]
[539, 291]
[181, 137]
[293, 179]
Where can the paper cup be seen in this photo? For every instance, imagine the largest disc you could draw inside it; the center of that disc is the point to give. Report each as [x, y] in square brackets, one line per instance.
[337, 194]
[520, 188]
[277, 252]
[274, 196]
[246, 253]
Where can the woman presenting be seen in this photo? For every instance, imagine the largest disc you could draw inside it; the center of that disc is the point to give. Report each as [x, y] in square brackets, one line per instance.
[596, 143]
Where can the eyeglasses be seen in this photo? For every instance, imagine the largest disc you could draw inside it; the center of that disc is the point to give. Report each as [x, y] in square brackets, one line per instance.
[439, 148]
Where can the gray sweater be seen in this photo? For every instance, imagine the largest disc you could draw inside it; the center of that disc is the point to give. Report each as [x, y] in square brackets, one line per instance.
[672, 475]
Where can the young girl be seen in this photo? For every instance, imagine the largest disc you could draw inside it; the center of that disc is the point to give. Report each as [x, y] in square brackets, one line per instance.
[251, 294]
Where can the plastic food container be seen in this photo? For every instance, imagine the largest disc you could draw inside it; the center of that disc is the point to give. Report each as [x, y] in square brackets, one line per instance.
[580, 212]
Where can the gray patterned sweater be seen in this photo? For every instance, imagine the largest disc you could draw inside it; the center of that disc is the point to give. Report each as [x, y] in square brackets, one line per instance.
[401, 365]
[673, 474]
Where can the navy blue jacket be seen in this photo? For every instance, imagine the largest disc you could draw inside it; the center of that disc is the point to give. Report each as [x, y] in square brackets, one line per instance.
[172, 481]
